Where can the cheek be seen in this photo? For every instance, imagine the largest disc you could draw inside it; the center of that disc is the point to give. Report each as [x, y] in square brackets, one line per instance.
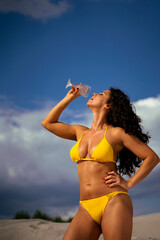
[100, 103]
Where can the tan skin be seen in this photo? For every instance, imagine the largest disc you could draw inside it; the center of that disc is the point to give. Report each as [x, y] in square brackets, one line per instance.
[98, 179]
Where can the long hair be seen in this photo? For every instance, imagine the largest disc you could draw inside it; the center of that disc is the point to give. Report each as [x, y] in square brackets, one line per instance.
[122, 114]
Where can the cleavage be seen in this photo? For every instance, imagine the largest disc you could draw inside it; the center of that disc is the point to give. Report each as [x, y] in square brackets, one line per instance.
[88, 144]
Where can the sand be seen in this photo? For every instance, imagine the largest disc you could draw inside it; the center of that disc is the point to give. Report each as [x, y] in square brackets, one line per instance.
[146, 227]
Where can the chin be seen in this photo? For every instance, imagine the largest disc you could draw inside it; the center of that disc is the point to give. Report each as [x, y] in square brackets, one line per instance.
[89, 103]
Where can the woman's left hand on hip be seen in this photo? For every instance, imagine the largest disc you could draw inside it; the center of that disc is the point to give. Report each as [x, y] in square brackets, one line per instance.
[114, 179]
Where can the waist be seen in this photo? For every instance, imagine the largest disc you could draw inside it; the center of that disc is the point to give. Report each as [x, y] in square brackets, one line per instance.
[94, 189]
[91, 175]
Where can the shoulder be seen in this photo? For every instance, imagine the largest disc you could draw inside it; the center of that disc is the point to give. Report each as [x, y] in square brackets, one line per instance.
[80, 129]
[117, 131]
[122, 137]
[117, 134]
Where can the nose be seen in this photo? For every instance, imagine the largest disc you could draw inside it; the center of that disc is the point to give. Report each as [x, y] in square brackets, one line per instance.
[94, 94]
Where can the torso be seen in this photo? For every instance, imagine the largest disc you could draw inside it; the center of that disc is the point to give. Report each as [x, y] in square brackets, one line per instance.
[91, 181]
[92, 173]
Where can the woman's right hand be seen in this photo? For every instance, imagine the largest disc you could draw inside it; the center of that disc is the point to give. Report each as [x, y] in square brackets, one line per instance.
[73, 93]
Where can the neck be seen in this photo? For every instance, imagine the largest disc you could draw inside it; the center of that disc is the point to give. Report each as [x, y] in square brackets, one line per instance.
[99, 120]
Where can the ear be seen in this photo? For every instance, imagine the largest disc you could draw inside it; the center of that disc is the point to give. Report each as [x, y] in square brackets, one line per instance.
[107, 106]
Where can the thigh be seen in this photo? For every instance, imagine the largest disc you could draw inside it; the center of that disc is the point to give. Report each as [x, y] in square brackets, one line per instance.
[117, 219]
[82, 227]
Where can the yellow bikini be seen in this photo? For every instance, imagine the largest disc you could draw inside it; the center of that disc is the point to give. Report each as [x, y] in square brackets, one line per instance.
[103, 152]
[96, 206]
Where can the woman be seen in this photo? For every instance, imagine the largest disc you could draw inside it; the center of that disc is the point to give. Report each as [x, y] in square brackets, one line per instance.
[105, 206]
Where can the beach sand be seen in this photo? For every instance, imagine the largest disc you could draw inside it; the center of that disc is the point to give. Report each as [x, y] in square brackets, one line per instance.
[146, 227]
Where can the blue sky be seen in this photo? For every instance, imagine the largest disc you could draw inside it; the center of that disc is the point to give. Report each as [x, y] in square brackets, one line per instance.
[101, 43]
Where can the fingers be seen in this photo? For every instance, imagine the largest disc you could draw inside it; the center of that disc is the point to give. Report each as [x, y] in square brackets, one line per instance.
[74, 90]
[73, 93]
[112, 179]
[112, 173]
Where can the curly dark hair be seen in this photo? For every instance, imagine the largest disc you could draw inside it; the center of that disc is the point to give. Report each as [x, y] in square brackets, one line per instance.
[122, 114]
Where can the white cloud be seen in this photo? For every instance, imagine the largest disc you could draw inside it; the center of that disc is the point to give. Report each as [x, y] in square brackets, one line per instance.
[39, 9]
[29, 153]
[149, 110]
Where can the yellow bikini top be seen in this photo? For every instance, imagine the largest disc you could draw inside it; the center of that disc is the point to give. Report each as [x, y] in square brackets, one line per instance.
[103, 152]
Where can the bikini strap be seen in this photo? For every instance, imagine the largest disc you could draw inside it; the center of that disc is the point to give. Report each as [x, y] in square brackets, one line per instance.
[105, 131]
[83, 134]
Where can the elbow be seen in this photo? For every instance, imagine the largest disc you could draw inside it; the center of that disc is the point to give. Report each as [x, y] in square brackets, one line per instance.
[152, 160]
[156, 159]
[46, 124]
[43, 123]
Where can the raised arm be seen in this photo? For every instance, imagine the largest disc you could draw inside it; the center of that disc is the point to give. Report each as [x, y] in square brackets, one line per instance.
[60, 129]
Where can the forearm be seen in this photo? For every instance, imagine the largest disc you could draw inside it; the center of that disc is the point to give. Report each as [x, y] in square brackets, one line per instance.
[55, 113]
[145, 168]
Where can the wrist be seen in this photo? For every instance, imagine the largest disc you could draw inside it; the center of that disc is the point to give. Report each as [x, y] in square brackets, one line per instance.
[68, 98]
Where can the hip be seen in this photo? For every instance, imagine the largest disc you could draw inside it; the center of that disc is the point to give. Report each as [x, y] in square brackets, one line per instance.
[91, 190]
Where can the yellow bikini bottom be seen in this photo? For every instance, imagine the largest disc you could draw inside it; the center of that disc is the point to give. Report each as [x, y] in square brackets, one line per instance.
[96, 206]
